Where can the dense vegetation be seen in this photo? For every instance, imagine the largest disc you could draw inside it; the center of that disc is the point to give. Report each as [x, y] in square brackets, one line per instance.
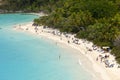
[95, 20]
[28, 5]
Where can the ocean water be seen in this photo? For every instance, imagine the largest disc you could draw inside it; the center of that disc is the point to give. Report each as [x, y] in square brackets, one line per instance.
[27, 57]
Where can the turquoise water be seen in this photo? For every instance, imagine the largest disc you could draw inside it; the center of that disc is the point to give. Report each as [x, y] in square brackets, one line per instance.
[27, 57]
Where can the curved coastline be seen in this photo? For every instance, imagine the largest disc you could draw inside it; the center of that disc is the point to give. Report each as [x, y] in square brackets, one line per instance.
[98, 69]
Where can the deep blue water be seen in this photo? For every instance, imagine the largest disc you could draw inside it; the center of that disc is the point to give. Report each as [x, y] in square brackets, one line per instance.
[27, 57]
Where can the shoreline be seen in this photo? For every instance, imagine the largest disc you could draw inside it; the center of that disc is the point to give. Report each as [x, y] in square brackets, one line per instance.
[26, 13]
[83, 47]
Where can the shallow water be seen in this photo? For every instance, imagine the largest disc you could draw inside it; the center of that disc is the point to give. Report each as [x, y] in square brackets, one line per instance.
[27, 57]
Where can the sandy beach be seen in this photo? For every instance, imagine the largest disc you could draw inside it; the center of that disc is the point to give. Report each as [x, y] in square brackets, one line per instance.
[100, 69]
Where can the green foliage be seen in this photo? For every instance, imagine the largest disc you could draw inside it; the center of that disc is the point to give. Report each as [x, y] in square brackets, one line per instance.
[116, 20]
[101, 8]
[28, 5]
[116, 49]
[116, 53]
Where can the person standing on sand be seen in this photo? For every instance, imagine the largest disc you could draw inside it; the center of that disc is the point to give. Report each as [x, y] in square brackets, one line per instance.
[68, 41]
[97, 59]
[59, 57]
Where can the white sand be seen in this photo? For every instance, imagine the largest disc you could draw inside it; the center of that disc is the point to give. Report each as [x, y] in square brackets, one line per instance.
[38, 14]
[99, 70]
